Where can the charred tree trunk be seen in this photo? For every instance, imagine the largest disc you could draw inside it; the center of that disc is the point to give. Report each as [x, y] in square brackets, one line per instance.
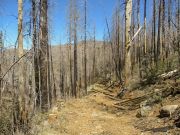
[70, 67]
[54, 92]
[169, 28]
[145, 44]
[159, 33]
[75, 61]
[94, 56]
[139, 46]
[44, 55]
[75, 57]
[36, 53]
[133, 55]
[154, 31]
[85, 57]
[1, 62]
[163, 31]
[178, 29]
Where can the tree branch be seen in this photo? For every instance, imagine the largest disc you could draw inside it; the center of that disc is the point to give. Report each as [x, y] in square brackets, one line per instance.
[1, 78]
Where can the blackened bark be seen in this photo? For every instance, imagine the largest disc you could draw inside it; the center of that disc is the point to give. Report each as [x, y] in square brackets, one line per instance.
[43, 55]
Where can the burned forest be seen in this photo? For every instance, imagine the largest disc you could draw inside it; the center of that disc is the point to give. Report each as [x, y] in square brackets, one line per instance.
[86, 67]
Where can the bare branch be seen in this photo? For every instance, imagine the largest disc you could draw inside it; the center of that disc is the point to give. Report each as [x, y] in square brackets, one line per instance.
[14, 64]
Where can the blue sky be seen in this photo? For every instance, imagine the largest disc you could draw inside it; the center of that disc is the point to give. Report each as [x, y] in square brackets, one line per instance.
[97, 11]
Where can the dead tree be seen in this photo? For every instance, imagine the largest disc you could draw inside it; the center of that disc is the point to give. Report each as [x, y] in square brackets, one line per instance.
[94, 56]
[85, 55]
[36, 52]
[21, 74]
[133, 55]
[178, 28]
[54, 92]
[163, 31]
[1, 62]
[159, 32]
[70, 32]
[61, 75]
[145, 44]
[139, 46]
[127, 67]
[74, 29]
[117, 43]
[169, 28]
[75, 58]
[43, 55]
[154, 31]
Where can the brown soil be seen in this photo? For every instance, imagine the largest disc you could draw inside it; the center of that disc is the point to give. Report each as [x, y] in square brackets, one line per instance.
[95, 114]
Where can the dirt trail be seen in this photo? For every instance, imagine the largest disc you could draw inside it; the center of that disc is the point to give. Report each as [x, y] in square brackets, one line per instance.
[90, 115]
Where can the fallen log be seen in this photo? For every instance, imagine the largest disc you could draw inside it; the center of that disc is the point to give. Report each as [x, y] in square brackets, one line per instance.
[109, 86]
[172, 74]
[120, 107]
[135, 102]
[168, 75]
[103, 92]
[141, 98]
[114, 98]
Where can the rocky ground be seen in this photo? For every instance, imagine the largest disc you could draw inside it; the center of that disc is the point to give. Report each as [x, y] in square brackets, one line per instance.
[101, 113]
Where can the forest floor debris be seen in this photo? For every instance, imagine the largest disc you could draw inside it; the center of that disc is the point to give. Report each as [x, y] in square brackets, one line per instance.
[89, 115]
[100, 114]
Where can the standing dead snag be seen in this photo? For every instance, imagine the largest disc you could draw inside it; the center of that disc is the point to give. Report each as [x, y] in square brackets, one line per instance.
[169, 28]
[94, 56]
[75, 57]
[73, 18]
[36, 52]
[154, 31]
[44, 55]
[163, 31]
[61, 75]
[1, 56]
[22, 103]
[85, 57]
[133, 54]
[70, 32]
[116, 42]
[54, 92]
[145, 44]
[139, 47]
[159, 45]
[74, 32]
[127, 67]
[178, 29]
